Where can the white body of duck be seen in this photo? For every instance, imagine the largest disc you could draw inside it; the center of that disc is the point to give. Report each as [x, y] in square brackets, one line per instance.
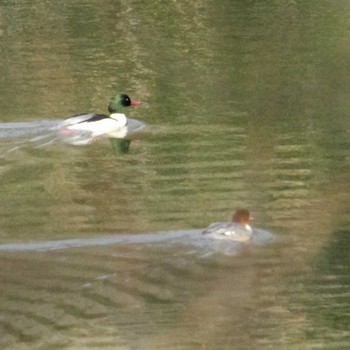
[237, 230]
[82, 129]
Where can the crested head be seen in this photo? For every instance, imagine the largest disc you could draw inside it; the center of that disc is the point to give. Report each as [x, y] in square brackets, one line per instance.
[241, 216]
[119, 101]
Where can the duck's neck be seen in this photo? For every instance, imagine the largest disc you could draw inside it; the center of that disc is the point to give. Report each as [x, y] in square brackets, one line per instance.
[115, 105]
[244, 224]
[120, 118]
[114, 108]
[248, 227]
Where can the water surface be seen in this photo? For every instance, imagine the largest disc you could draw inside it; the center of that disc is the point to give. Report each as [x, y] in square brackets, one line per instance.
[246, 105]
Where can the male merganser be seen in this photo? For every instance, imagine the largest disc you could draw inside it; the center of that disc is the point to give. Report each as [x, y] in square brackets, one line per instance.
[82, 129]
[237, 230]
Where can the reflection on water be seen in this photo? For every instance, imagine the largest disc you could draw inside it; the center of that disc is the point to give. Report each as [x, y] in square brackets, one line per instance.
[138, 295]
[246, 106]
[148, 295]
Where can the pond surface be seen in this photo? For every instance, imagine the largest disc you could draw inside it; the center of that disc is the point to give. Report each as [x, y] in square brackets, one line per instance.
[246, 105]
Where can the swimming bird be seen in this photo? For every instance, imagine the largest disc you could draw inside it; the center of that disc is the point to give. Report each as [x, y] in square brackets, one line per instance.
[82, 129]
[237, 230]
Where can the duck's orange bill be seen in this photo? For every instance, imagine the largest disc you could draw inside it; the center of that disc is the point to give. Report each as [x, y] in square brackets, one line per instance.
[133, 103]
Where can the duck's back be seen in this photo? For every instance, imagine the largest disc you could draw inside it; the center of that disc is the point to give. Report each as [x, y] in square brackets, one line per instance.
[229, 230]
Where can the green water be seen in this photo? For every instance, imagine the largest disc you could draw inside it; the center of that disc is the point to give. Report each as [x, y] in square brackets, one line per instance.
[246, 105]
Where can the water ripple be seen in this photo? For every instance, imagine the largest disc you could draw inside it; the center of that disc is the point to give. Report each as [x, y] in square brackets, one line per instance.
[185, 237]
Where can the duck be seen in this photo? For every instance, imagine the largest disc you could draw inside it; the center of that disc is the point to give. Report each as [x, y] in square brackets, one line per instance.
[238, 229]
[82, 129]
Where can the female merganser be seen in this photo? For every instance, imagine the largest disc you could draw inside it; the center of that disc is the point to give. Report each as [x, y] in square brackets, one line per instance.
[236, 230]
[82, 129]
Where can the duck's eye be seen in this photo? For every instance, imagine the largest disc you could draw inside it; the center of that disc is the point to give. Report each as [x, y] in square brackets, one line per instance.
[125, 100]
